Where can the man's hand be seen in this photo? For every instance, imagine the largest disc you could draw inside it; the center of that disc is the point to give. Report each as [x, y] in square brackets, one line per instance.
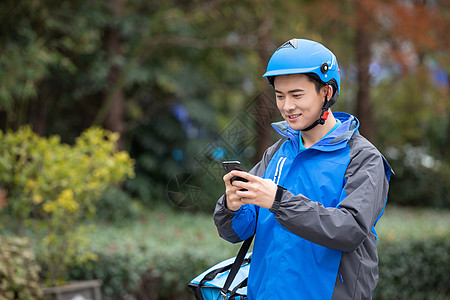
[233, 200]
[259, 191]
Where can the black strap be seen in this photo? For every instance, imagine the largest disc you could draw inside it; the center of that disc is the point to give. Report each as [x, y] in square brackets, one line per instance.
[326, 105]
[279, 194]
[212, 274]
[236, 266]
[240, 285]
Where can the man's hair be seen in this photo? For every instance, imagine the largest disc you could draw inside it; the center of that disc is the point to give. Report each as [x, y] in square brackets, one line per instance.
[314, 78]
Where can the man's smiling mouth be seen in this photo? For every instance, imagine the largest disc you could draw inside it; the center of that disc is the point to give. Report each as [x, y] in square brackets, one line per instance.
[293, 117]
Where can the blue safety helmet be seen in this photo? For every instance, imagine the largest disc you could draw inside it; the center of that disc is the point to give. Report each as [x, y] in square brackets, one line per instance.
[300, 56]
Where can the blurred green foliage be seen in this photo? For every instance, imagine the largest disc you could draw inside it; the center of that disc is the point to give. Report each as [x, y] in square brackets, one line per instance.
[178, 246]
[190, 76]
[416, 269]
[51, 187]
[47, 175]
[155, 256]
[206, 58]
[414, 136]
[19, 271]
[116, 206]
[419, 185]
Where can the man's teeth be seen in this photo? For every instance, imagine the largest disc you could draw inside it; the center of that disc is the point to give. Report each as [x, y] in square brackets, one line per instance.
[293, 116]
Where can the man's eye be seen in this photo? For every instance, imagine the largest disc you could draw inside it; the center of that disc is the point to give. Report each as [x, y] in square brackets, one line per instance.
[297, 95]
[280, 97]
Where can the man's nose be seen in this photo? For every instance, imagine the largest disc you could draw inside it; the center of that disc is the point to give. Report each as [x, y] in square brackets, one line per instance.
[288, 104]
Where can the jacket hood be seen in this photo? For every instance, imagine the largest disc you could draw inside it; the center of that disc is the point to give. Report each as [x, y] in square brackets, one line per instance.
[349, 125]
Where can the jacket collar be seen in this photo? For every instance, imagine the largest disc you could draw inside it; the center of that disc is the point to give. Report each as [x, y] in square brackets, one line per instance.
[340, 136]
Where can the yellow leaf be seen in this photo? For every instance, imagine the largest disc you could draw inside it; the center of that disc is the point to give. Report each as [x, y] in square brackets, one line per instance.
[37, 198]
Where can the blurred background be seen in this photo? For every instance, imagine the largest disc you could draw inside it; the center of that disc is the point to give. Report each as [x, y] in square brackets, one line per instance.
[118, 113]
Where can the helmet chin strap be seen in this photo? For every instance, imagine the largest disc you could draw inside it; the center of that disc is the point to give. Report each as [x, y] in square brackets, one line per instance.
[323, 115]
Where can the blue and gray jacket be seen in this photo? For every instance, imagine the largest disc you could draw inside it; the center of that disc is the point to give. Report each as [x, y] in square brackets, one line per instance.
[318, 240]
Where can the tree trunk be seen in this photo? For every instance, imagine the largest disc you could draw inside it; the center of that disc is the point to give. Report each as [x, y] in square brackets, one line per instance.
[38, 113]
[364, 109]
[114, 98]
[265, 111]
[266, 108]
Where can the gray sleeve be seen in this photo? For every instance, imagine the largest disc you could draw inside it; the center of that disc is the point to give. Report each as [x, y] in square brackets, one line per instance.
[223, 217]
[347, 226]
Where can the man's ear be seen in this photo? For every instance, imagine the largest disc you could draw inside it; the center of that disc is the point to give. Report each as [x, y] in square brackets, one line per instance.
[328, 91]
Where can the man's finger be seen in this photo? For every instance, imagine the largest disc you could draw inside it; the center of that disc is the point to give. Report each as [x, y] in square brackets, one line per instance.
[244, 175]
[241, 184]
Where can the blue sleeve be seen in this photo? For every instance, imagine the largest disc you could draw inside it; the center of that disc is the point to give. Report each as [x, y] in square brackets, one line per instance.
[235, 226]
[244, 221]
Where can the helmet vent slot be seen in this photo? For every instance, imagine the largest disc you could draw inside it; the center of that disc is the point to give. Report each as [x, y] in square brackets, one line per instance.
[291, 43]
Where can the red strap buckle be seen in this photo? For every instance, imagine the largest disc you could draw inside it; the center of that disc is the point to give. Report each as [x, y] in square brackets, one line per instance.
[325, 115]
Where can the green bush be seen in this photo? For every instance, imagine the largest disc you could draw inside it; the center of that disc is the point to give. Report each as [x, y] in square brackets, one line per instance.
[135, 273]
[417, 269]
[408, 270]
[120, 273]
[156, 257]
[51, 187]
[116, 206]
[19, 272]
[417, 185]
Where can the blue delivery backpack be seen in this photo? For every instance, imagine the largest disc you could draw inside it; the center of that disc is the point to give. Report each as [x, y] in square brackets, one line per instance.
[226, 280]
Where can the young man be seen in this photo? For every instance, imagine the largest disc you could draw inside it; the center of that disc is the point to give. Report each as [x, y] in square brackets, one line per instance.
[315, 196]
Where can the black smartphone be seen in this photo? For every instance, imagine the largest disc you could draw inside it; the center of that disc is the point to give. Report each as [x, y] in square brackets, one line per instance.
[233, 165]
